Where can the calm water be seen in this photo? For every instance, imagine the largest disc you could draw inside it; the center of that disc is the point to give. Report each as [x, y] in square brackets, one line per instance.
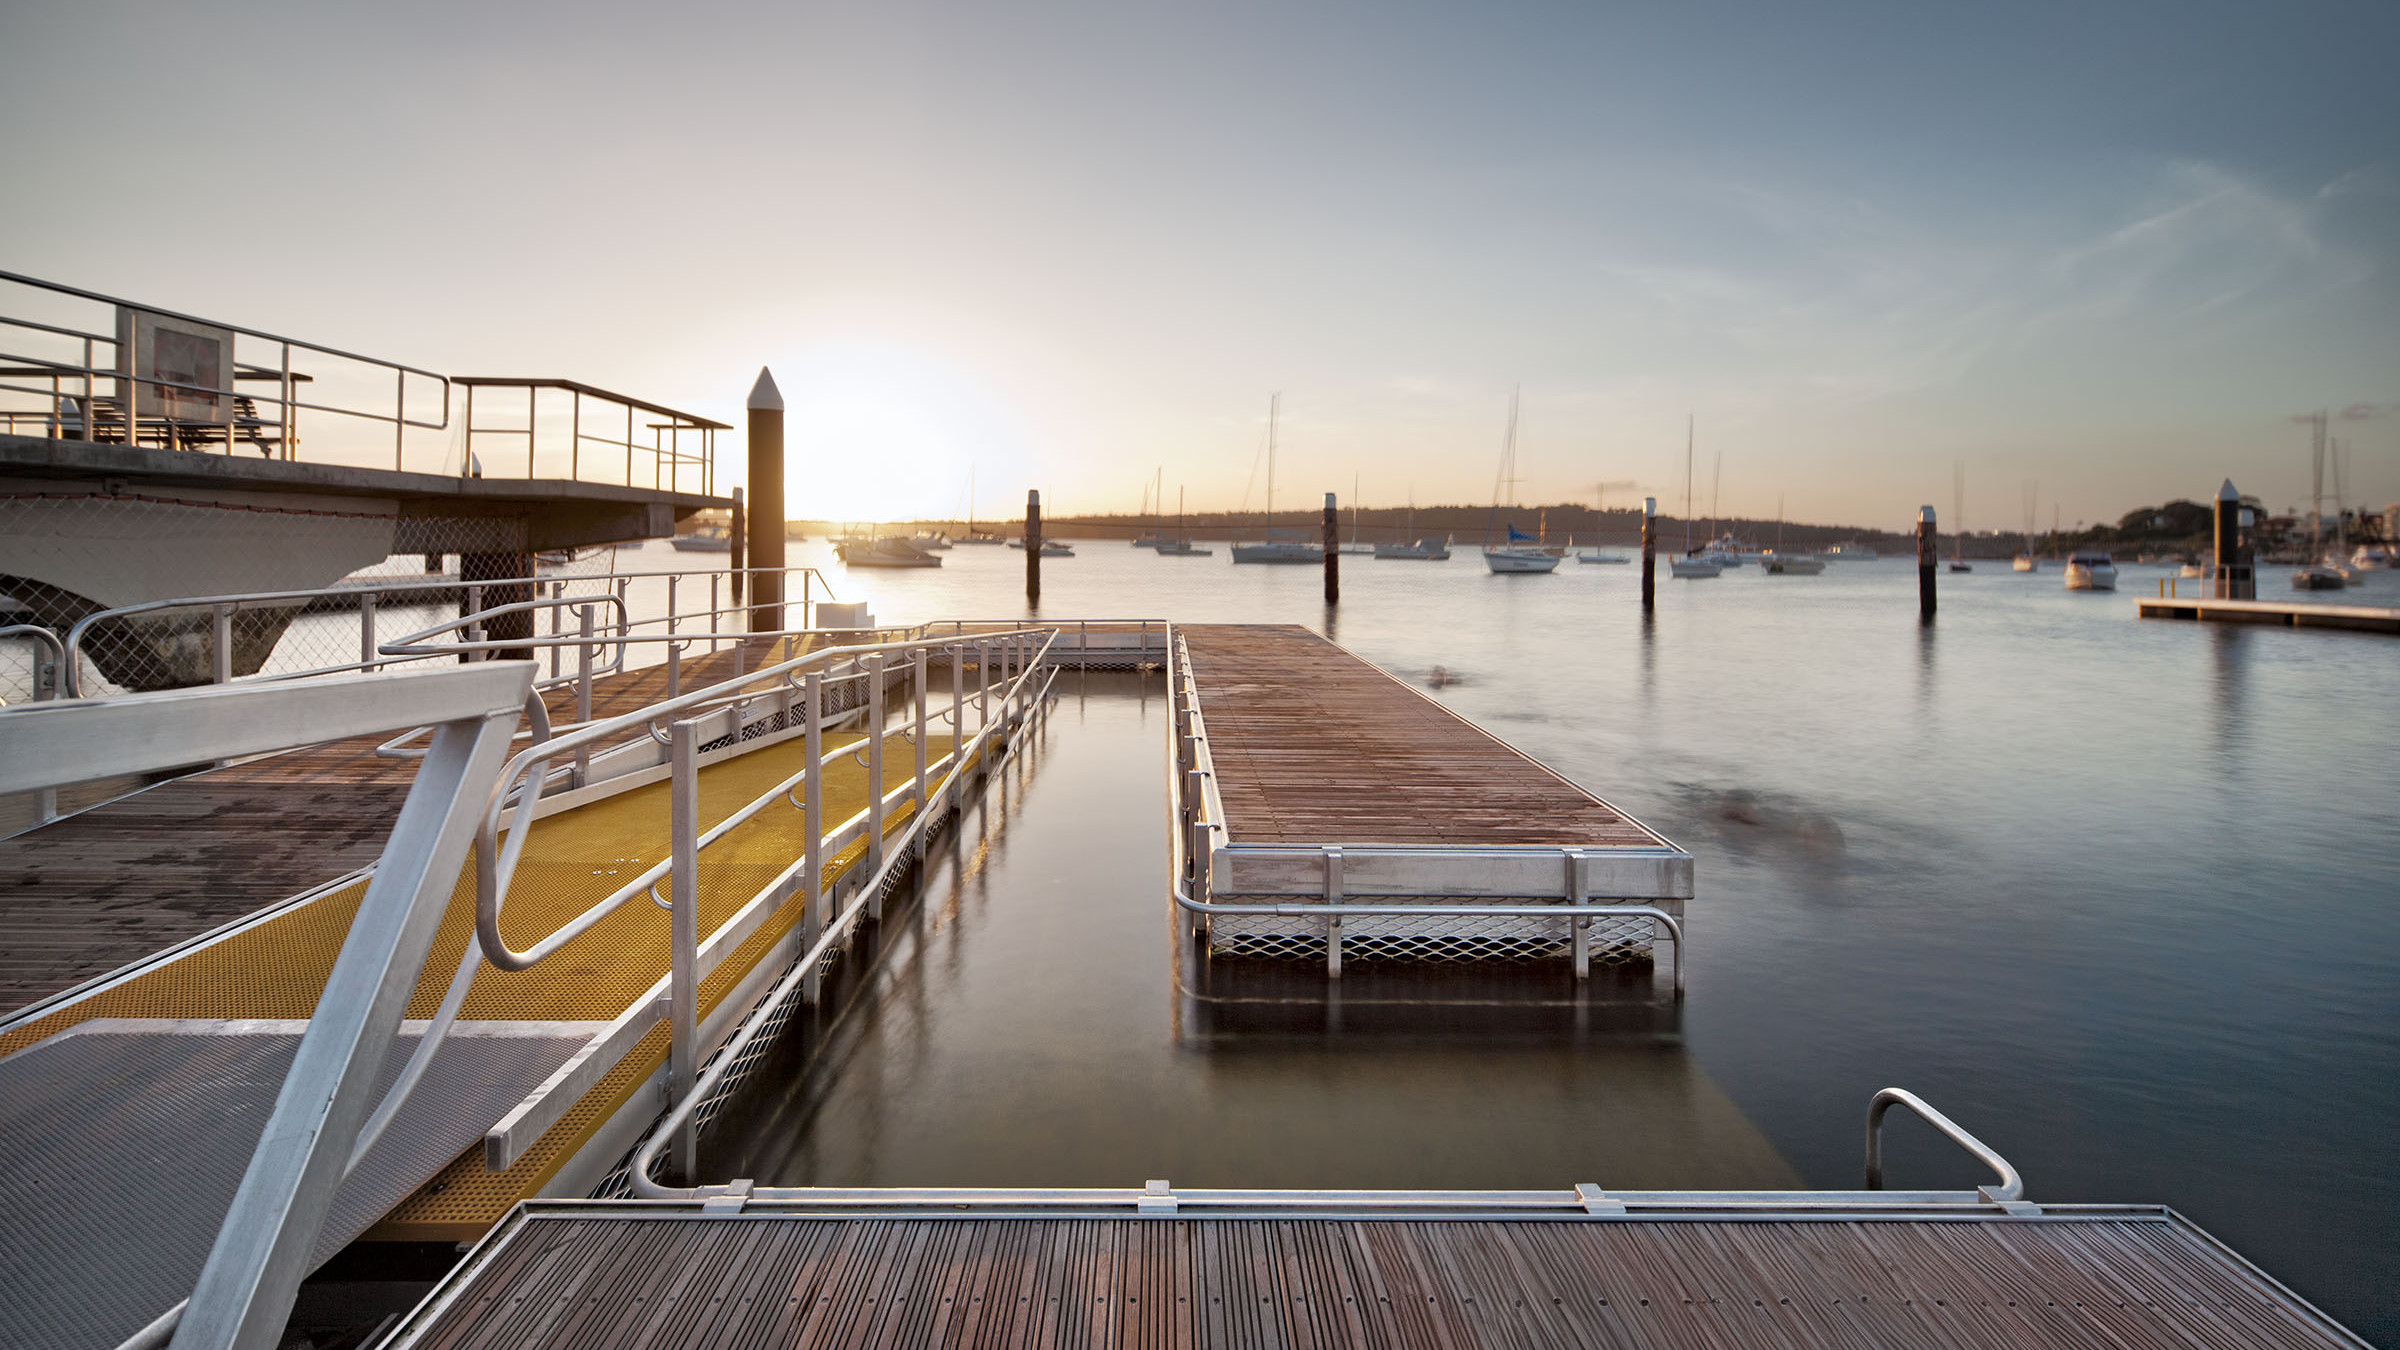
[2119, 895]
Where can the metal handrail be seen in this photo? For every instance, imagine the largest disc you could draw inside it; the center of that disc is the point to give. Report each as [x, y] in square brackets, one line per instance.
[705, 1084]
[2011, 1187]
[495, 864]
[376, 590]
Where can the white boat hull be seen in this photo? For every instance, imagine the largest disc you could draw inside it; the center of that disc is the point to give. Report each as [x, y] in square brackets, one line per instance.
[1695, 569]
[1520, 562]
[2083, 578]
[1288, 555]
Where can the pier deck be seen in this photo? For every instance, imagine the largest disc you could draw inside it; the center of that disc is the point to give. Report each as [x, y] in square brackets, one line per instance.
[2285, 613]
[661, 1275]
[1327, 780]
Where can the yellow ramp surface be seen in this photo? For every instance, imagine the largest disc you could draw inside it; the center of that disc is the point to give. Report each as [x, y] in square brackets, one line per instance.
[277, 969]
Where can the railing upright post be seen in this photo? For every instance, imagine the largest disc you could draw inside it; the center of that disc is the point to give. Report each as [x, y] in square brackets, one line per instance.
[583, 693]
[555, 593]
[812, 825]
[917, 690]
[713, 579]
[683, 987]
[221, 644]
[983, 684]
[672, 578]
[958, 703]
[674, 670]
[366, 632]
[474, 629]
[874, 860]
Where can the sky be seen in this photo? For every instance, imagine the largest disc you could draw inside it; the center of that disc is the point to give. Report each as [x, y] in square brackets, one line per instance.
[2112, 250]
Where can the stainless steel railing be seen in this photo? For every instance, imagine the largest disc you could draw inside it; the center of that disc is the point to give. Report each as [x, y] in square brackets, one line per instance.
[369, 598]
[190, 414]
[1197, 830]
[2011, 1187]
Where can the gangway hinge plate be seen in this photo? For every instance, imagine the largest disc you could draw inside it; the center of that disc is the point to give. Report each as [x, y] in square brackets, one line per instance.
[1157, 1197]
[1597, 1201]
[726, 1199]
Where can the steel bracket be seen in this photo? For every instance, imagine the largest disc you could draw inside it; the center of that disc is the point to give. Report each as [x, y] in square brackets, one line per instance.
[1157, 1197]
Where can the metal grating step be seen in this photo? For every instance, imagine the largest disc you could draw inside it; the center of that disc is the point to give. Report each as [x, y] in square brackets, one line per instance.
[122, 1142]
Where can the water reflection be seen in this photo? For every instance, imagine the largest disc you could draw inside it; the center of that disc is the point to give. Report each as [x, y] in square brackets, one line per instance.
[1023, 1023]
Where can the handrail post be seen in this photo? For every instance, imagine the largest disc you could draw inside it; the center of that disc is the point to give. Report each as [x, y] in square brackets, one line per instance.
[683, 987]
[366, 633]
[557, 591]
[672, 578]
[221, 643]
[917, 683]
[874, 860]
[474, 628]
[958, 705]
[983, 684]
[583, 695]
[675, 670]
[812, 823]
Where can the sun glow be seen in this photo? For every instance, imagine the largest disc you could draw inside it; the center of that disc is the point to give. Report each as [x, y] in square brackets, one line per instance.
[885, 431]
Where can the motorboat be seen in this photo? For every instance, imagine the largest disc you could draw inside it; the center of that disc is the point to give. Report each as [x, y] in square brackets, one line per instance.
[1694, 568]
[2091, 570]
[2190, 571]
[1961, 565]
[1427, 549]
[1851, 552]
[1513, 559]
[1182, 548]
[930, 543]
[2026, 562]
[1603, 556]
[706, 539]
[1727, 551]
[2374, 558]
[1790, 564]
[885, 553]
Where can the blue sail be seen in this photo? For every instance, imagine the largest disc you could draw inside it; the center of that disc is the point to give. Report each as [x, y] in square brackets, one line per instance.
[1516, 536]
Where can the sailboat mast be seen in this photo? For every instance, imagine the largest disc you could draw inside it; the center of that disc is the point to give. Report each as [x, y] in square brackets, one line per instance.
[1687, 483]
[1274, 402]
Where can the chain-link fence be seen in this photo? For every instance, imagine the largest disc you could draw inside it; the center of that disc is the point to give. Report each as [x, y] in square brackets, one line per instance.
[88, 566]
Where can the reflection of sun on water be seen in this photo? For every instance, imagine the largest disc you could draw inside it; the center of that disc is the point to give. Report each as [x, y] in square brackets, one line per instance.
[885, 432]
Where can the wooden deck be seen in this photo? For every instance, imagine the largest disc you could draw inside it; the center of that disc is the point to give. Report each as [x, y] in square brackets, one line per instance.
[2282, 613]
[2118, 1277]
[1314, 746]
[114, 884]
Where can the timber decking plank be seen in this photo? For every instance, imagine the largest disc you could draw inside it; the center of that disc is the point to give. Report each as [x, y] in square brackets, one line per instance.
[2126, 1280]
[1315, 746]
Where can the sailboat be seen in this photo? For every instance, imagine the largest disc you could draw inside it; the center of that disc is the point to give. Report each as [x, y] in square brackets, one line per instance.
[1958, 519]
[1690, 565]
[1599, 555]
[973, 535]
[1522, 554]
[1355, 547]
[1181, 545]
[1154, 505]
[2313, 575]
[2025, 561]
[1778, 563]
[1425, 549]
[1272, 549]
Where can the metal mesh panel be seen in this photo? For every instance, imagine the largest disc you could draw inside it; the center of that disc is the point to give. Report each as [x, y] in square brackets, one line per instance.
[66, 556]
[1433, 938]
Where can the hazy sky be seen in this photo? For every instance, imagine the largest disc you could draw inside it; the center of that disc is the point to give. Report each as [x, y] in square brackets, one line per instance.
[2110, 247]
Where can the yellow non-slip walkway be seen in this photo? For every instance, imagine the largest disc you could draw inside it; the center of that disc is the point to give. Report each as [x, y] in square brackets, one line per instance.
[277, 969]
